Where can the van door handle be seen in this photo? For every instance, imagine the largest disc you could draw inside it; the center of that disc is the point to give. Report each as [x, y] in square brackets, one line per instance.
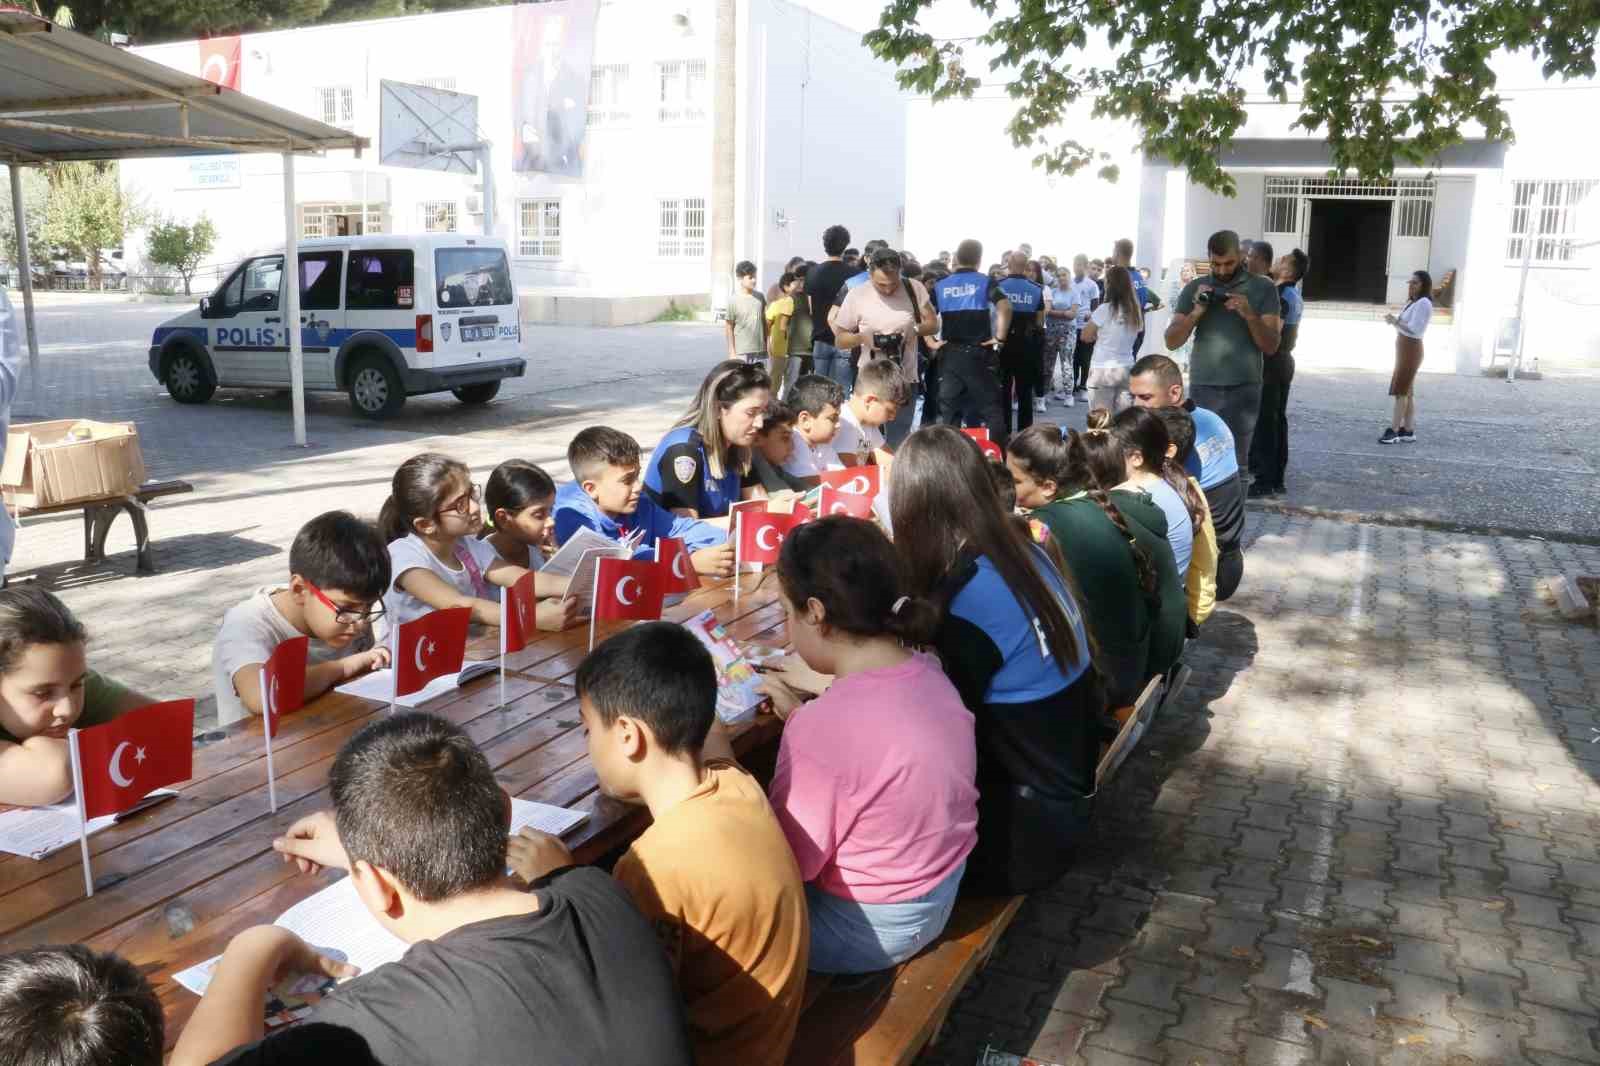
[274, 318]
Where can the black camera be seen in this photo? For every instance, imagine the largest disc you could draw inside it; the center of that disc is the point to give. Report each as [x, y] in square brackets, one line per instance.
[1207, 295]
[890, 345]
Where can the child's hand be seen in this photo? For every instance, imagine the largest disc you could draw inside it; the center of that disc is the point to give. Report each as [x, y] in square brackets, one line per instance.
[784, 699]
[293, 957]
[366, 662]
[532, 854]
[552, 616]
[714, 562]
[313, 843]
[796, 675]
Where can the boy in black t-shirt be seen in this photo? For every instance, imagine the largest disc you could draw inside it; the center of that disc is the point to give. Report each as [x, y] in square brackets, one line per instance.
[69, 1006]
[568, 972]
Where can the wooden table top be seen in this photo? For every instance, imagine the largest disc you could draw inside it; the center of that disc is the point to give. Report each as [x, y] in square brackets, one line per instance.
[175, 883]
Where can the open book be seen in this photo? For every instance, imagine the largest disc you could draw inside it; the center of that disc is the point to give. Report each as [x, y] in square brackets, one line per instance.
[738, 687]
[580, 555]
[336, 923]
[378, 686]
[39, 832]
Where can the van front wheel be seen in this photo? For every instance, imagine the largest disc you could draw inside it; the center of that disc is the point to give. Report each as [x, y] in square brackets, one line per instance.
[188, 379]
[375, 387]
[477, 393]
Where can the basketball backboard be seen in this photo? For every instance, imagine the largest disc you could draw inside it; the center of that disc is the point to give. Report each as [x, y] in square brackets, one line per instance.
[427, 129]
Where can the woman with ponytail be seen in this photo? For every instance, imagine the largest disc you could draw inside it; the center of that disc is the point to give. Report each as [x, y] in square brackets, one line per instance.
[1145, 445]
[874, 782]
[1012, 641]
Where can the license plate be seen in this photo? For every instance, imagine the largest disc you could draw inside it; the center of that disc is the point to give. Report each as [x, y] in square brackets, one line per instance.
[477, 333]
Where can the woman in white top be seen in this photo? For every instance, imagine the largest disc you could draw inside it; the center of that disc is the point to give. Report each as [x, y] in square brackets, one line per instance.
[1112, 329]
[1409, 326]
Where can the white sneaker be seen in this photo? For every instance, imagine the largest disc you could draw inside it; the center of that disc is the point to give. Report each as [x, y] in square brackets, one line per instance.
[1039, 407]
[1067, 400]
[1083, 394]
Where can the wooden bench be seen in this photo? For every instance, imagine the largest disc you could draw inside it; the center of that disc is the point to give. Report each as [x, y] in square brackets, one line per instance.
[98, 514]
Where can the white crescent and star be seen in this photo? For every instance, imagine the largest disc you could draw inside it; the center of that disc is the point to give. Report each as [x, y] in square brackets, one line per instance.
[857, 485]
[839, 508]
[421, 643]
[761, 541]
[679, 570]
[272, 697]
[220, 62]
[118, 778]
[622, 593]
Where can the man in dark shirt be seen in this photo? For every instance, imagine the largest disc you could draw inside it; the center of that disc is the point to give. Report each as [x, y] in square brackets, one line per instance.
[968, 383]
[823, 283]
[569, 972]
[1019, 358]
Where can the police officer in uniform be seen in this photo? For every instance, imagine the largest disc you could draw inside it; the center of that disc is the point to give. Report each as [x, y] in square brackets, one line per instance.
[1024, 346]
[968, 383]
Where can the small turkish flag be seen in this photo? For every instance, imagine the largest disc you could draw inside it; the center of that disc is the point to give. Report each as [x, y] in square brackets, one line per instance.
[518, 617]
[130, 756]
[430, 647]
[627, 588]
[990, 449]
[855, 480]
[761, 536]
[833, 502]
[219, 61]
[677, 569]
[283, 681]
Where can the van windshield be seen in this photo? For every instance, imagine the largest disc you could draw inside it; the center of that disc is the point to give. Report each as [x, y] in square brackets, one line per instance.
[472, 277]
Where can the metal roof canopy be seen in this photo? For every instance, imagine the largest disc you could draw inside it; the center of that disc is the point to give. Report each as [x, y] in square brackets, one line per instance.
[66, 97]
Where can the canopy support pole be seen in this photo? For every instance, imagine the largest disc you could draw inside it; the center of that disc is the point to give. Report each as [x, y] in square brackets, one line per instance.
[26, 280]
[291, 311]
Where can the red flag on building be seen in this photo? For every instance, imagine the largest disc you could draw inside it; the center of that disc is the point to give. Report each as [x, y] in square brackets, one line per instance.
[990, 449]
[832, 502]
[627, 588]
[283, 681]
[855, 480]
[219, 61]
[761, 536]
[518, 615]
[677, 569]
[128, 757]
[429, 647]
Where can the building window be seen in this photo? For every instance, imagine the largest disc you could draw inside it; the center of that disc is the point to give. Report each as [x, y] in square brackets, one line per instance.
[338, 220]
[608, 95]
[1281, 207]
[681, 231]
[1550, 212]
[336, 105]
[439, 216]
[447, 83]
[539, 228]
[682, 94]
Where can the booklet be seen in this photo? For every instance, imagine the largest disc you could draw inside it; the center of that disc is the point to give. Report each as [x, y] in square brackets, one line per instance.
[580, 555]
[378, 686]
[738, 687]
[39, 832]
[336, 923]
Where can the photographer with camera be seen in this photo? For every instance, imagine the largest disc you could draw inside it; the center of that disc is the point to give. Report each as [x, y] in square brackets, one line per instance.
[1020, 355]
[885, 317]
[1234, 316]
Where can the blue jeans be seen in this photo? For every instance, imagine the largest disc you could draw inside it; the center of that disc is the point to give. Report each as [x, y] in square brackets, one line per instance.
[830, 362]
[850, 937]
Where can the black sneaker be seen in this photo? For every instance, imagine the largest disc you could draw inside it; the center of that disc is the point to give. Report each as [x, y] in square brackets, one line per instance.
[1389, 437]
[1407, 436]
[1260, 490]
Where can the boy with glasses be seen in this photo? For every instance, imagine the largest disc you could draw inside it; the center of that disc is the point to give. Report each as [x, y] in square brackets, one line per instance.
[338, 573]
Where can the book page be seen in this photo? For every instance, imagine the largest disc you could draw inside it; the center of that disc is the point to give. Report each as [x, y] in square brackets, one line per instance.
[378, 686]
[336, 923]
[581, 587]
[557, 821]
[738, 688]
[566, 560]
[39, 832]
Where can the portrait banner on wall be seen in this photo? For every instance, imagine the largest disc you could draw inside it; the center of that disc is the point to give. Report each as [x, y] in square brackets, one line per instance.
[551, 56]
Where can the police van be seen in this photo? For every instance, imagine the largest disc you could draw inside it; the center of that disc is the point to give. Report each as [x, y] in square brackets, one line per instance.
[382, 317]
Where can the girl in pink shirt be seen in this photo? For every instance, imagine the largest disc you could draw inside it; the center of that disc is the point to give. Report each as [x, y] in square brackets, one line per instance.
[875, 783]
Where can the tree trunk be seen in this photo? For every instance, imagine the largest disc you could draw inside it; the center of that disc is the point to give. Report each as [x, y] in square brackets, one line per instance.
[724, 153]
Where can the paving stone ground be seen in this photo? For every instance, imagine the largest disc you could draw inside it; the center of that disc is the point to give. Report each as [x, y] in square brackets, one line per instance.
[1366, 833]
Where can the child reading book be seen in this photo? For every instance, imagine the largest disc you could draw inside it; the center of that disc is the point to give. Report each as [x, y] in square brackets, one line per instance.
[431, 521]
[566, 973]
[46, 688]
[775, 446]
[338, 573]
[713, 873]
[521, 501]
[878, 396]
[817, 401]
[69, 1006]
[606, 495]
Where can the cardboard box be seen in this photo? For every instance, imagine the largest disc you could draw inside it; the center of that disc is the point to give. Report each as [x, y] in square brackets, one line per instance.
[70, 459]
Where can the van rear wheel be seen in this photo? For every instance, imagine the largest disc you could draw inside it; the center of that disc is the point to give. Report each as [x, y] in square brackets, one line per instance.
[477, 393]
[188, 378]
[375, 387]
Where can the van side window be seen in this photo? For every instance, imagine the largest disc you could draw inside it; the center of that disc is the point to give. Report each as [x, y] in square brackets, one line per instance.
[319, 280]
[254, 287]
[379, 281]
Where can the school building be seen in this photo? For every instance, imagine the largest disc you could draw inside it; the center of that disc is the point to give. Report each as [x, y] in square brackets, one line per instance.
[599, 113]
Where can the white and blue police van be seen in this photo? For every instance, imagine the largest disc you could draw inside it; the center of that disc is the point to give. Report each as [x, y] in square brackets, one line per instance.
[382, 317]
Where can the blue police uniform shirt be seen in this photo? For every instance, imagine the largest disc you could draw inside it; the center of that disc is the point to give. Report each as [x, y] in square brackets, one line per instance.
[679, 476]
[1028, 672]
[1213, 459]
[1139, 288]
[856, 279]
[1294, 305]
[1027, 300]
[962, 300]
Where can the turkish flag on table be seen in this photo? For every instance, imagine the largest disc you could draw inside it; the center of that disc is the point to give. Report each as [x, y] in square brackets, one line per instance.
[832, 502]
[430, 647]
[990, 449]
[677, 569]
[125, 759]
[283, 681]
[627, 588]
[518, 615]
[761, 536]
[854, 480]
[219, 61]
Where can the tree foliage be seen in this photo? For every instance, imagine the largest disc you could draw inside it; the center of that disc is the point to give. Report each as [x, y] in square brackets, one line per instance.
[181, 246]
[152, 21]
[1386, 82]
[35, 196]
[87, 212]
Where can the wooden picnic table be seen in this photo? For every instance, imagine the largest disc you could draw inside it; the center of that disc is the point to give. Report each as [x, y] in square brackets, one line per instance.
[175, 883]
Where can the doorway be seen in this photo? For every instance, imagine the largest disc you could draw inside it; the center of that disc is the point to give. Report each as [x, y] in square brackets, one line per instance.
[1349, 250]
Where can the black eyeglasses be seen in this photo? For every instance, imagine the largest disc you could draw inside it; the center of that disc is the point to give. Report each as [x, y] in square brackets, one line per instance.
[462, 505]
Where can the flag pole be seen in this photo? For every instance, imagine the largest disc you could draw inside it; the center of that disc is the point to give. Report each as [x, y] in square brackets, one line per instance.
[394, 667]
[83, 817]
[266, 728]
[594, 603]
[738, 555]
[505, 608]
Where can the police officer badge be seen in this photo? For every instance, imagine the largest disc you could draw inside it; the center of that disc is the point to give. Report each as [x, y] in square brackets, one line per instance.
[683, 468]
[444, 330]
